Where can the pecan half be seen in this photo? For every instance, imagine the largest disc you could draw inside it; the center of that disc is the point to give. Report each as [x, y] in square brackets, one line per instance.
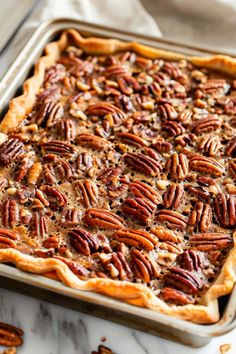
[206, 164]
[64, 170]
[10, 151]
[51, 242]
[215, 87]
[225, 209]
[136, 238]
[192, 261]
[55, 197]
[60, 148]
[206, 125]
[164, 234]
[173, 196]
[231, 148]
[8, 239]
[200, 218]
[132, 139]
[172, 219]
[162, 146]
[117, 266]
[210, 145]
[85, 162]
[93, 142]
[83, 241]
[143, 163]
[176, 296]
[102, 109]
[116, 70]
[142, 209]
[184, 280]
[23, 169]
[167, 112]
[172, 128]
[67, 130]
[110, 176]
[10, 335]
[177, 166]
[49, 114]
[232, 169]
[144, 190]
[10, 213]
[55, 73]
[103, 219]
[39, 225]
[144, 266]
[89, 192]
[128, 84]
[211, 241]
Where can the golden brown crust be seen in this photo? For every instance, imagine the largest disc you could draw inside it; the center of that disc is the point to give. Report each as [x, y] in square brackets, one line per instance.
[136, 294]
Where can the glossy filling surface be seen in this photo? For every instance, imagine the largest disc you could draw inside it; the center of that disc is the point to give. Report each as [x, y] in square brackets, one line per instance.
[125, 170]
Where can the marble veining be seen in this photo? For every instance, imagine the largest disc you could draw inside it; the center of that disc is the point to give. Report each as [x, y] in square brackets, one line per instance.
[50, 329]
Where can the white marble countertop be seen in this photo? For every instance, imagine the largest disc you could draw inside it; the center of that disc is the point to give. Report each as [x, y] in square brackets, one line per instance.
[51, 329]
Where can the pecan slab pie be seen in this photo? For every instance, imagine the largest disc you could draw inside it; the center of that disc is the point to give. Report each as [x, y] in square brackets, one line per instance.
[118, 174]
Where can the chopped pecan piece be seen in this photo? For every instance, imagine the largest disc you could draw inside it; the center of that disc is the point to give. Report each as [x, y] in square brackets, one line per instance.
[170, 247]
[136, 238]
[206, 164]
[211, 241]
[144, 190]
[8, 239]
[70, 216]
[198, 192]
[143, 163]
[49, 114]
[176, 296]
[110, 176]
[207, 125]
[10, 213]
[39, 225]
[64, 170]
[60, 148]
[177, 166]
[142, 209]
[103, 219]
[84, 162]
[89, 192]
[132, 139]
[23, 169]
[83, 241]
[145, 267]
[128, 84]
[192, 261]
[10, 151]
[200, 218]
[3, 183]
[184, 280]
[34, 173]
[10, 335]
[225, 209]
[172, 219]
[215, 87]
[54, 74]
[164, 234]
[93, 142]
[173, 196]
[117, 266]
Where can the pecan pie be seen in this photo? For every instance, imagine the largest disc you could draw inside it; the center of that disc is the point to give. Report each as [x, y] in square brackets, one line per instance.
[118, 170]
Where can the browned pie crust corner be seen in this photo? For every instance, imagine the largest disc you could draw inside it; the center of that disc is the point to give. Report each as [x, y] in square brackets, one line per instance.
[136, 294]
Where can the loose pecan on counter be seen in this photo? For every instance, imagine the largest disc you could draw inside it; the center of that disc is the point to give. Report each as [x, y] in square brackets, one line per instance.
[10, 335]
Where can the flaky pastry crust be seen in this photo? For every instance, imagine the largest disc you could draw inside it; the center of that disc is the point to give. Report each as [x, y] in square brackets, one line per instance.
[136, 294]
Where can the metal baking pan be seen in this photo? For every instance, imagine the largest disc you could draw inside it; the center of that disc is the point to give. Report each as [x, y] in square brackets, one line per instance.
[95, 304]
